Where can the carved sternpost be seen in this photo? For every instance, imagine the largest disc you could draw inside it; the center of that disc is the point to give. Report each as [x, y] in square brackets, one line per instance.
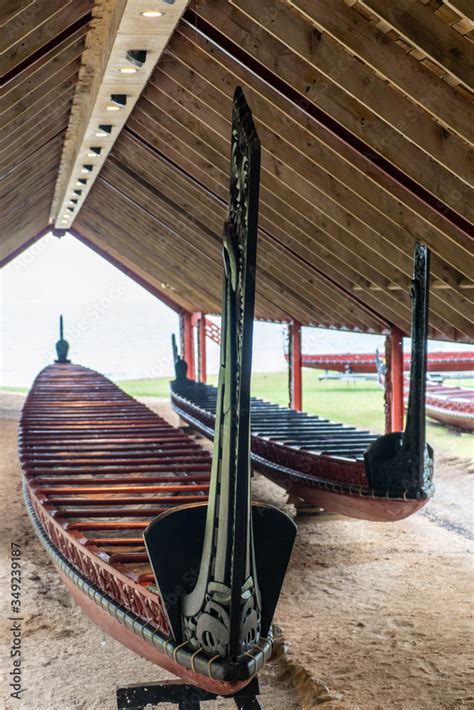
[400, 464]
[222, 615]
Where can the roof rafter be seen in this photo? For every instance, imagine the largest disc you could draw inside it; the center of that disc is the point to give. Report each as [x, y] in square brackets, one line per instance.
[122, 48]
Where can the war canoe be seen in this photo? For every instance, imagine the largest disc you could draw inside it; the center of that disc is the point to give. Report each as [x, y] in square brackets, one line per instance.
[162, 548]
[365, 363]
[336, 467]
[452, 406]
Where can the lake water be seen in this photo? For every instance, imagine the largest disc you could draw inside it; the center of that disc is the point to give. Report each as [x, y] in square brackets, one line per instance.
[132, 340]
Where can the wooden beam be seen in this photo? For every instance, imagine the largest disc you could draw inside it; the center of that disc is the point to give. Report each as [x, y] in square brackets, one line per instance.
[202, 359]
[420, 27]
[108, 88]
[295, 365]
[395, 376]
[188, 343]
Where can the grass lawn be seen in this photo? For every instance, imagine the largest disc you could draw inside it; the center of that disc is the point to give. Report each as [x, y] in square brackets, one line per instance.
[357, 403]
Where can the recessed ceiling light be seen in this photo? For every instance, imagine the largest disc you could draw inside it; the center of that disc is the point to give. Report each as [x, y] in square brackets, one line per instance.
[137, 57]
[128, 70]
[152, 13]
[86, 169]
[105, 129]
[94, 152]
[118, 100]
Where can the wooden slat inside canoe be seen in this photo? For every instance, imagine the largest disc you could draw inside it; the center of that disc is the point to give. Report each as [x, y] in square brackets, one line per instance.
[104, 465]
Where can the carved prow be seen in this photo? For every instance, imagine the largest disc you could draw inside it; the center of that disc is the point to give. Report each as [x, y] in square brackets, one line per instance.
[180, 367]
[401, 464]
[62, 346]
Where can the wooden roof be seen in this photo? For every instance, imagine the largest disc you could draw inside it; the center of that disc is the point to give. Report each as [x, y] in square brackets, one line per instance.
[364, 111]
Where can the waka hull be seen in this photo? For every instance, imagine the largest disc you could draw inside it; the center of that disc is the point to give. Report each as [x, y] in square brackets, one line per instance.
[337, 484]
[365, 363]
[98, 466]
[379, 510]
[457, 419]
[124, 628]
[136, 644]
[452, 406]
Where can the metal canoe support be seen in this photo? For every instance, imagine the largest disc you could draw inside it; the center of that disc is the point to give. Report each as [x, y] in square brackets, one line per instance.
[401, 463]
[220, 566]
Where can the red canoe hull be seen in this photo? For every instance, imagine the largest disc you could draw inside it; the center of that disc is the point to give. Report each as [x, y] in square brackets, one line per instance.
[378, 510]
[364, 363]
[136, 644]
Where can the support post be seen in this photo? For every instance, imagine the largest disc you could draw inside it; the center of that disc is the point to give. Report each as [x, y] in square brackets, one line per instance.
[396, 379]
[187, 343]
[295, 364]
[202, 348]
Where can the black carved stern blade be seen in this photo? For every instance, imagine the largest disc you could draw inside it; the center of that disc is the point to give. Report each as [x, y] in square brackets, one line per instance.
[400, 464]
[220, 567]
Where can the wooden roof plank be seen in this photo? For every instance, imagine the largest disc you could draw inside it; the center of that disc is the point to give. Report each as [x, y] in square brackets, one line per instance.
[10, 8]
[41, 99]
[365, 41]
[137, 159]
[171, 141]
[381, 137]
[331, 203]
[39, 36]
[305, 142]
[463, 7]
[422, 28]
[373, 185]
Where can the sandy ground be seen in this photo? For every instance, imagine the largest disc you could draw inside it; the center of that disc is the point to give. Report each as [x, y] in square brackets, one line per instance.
[371, 616]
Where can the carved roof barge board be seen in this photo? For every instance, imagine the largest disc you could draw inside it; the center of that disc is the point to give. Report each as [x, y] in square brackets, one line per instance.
[122, 48]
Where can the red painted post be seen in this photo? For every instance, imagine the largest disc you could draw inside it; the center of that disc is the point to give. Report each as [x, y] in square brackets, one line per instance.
[202, 348]
[295, 365]
[396, 376]
[188, 342]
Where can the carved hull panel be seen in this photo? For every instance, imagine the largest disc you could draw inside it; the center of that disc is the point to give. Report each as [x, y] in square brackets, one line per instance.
[136, 644]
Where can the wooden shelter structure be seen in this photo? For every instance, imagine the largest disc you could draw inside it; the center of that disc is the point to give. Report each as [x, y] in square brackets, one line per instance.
[115, 127]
